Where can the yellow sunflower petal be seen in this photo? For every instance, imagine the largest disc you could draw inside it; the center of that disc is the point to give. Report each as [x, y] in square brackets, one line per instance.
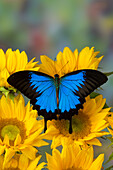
[89, 158]
[29, 152]
[21, 60]
[8, 155]
[69, 60]
[94, 141]
[48, 65]
[1, 161]
[31, 65]
[40, 166]
[97, 164]
[4, 74]
[111, 131]
[52, 162]
[11, 61]
[76, 59]
[2, 60]
[6, 140]
[17, 140]
[23, 162]
[2, 148]
[83, 61]
[34, 163]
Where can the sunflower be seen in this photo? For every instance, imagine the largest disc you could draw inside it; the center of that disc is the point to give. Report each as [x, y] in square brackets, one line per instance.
[68, 61]
[87, 125]
[19, 129]
[109, 118]
[73, 158]
[13, 61]
[21, 162]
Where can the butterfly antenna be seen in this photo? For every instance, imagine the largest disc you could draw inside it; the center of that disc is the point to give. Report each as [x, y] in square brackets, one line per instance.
[54, 65]
[64, 66]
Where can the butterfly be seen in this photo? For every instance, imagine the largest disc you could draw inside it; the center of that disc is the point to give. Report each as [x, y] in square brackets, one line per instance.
[57, 97]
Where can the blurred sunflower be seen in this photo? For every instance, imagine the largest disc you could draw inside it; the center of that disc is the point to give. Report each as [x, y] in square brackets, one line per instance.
[73, 158]
[68, 61]
[110, 121]
[19, 129]
[21, 162]
[13, 61]
[87, 125]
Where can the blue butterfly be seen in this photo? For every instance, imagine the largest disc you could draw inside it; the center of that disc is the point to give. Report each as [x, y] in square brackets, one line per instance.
[57, 96]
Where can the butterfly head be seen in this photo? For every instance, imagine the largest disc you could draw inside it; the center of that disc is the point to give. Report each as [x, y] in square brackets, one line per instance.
[56, 76]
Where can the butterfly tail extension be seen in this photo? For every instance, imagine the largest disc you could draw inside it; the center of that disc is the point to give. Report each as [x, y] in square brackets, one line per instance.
[45, 124]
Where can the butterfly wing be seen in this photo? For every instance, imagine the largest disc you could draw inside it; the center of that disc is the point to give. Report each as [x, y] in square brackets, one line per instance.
[74, 87]
[38, 87]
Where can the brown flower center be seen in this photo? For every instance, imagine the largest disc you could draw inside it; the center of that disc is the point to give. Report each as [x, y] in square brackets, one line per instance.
[11, 128]
[81, 126]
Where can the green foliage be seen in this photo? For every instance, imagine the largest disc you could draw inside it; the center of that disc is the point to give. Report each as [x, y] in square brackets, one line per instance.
[110, 158]
[109, 73]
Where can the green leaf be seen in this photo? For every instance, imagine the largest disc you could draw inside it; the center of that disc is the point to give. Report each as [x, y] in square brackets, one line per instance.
[109, 73]
[94, 94]
[110, 158]
[4, 91]
[109, 168]
[110, 138]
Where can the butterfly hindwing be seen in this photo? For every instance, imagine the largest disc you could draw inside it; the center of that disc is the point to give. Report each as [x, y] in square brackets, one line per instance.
[75, 86]
[38, 87]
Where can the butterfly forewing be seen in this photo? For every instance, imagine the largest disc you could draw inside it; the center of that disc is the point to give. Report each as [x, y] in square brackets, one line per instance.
[38, 87]
[75, 86]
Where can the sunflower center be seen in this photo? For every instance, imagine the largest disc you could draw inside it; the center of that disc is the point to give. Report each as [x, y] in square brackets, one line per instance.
[74, 168]
[11, 128]
[11, 131]
[81, 126]
[11, 169]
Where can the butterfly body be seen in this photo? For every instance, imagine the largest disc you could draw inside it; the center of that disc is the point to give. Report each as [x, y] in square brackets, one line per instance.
[57, 97]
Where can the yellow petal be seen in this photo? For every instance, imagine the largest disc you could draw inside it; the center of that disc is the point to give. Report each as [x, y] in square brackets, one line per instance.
[3, 77]
[94, 141]
[53, 162]
[100, 102]
[1, 161]
[89, 157]
[40, 166]
[2, 148]
[9, 153]
[17, 140]
[11, 60]
[69, 60]
[23, 162]
[31, 64]
[85, 57]
[34, 163]
[48, 65]
[22, 60]
[76, 59]
[2, 60]
[97, 164]
[29, 152]
[111, 131]
[6, 140]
